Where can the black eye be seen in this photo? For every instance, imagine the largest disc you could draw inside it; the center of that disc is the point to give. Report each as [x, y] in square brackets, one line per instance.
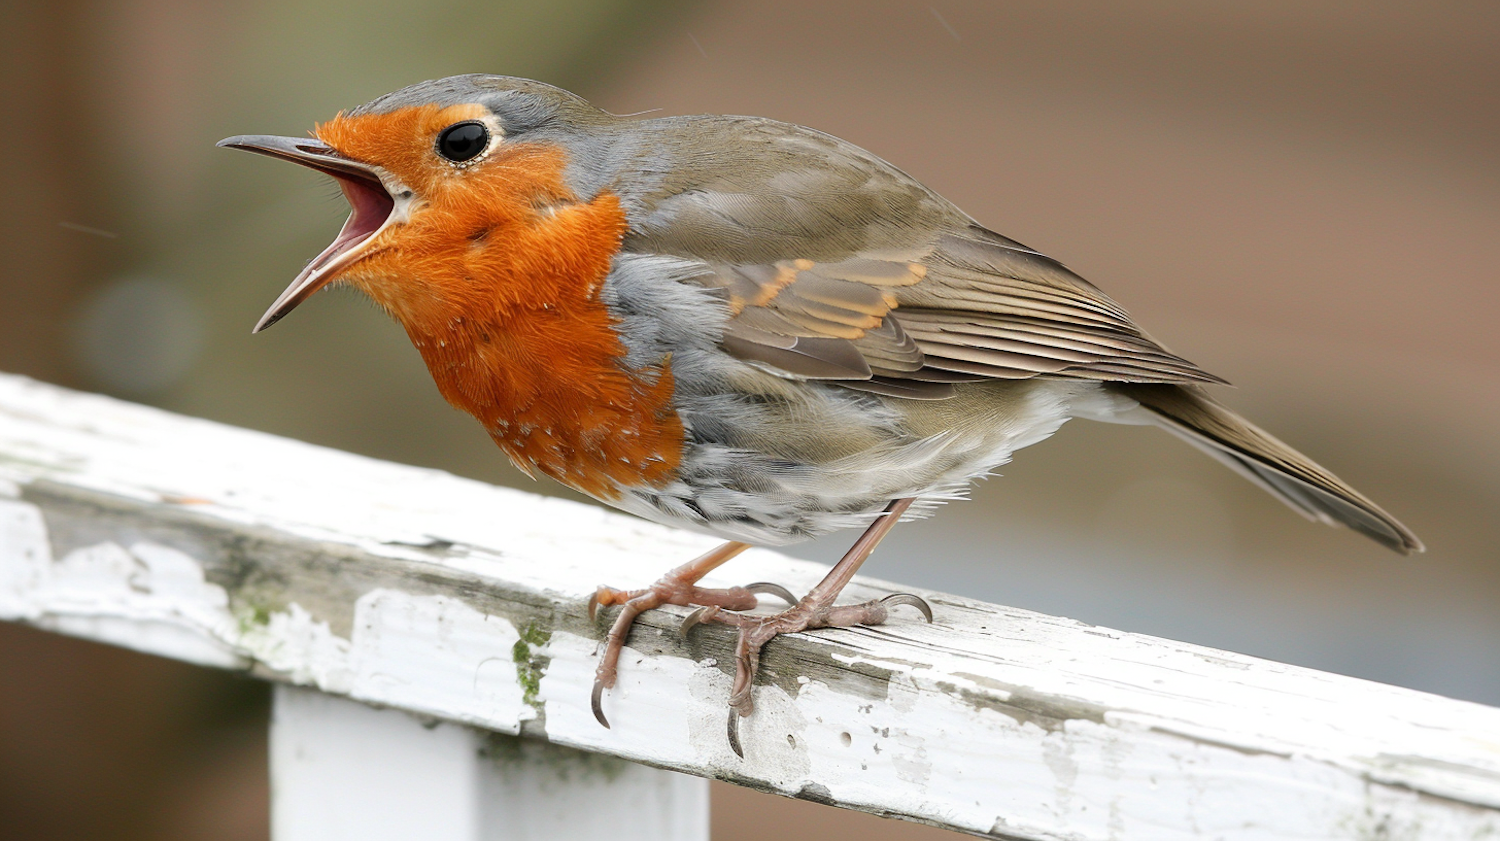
[462, 142]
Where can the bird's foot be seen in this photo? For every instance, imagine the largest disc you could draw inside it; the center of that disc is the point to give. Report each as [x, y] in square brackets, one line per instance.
[679, 587]
[756, 631]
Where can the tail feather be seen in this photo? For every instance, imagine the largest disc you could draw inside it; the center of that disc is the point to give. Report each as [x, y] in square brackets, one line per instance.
[1189, 413]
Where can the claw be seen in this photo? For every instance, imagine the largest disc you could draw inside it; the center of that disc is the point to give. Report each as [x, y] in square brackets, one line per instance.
[597, 700]
[817, 610]
[734, 733]
[771, 588]
[694, 619]
[913, 601]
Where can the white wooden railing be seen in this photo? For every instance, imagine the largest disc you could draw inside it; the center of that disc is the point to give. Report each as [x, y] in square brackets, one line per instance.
[417, 623]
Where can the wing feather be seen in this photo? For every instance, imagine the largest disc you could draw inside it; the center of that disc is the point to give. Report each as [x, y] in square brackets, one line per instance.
[939, 317]
[837, 266]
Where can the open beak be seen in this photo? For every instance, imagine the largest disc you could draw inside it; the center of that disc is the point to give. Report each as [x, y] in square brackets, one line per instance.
[371, 206]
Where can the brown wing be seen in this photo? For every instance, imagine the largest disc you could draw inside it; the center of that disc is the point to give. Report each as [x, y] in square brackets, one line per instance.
[975, 306]
[840, 267]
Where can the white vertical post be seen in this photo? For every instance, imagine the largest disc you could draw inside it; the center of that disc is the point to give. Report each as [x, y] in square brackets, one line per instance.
[342, 771]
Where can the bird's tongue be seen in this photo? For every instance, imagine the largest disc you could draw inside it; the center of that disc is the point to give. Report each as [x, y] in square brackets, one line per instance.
[370, 206]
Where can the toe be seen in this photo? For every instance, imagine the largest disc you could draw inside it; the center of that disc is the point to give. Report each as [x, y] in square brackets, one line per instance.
[771, 588]
[734, 733]
[597, 701]
[910, 600]
[696, 618]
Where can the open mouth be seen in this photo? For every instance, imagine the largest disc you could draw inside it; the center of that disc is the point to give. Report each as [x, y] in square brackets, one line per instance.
[371, 209]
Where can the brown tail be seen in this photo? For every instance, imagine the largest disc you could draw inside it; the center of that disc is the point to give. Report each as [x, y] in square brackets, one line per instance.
[1189, 413]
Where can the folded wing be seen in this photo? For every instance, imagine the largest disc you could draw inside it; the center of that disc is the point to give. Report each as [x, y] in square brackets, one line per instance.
[972, 306]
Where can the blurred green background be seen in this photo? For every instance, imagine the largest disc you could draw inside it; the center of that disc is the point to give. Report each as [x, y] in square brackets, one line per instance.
[1302, 196]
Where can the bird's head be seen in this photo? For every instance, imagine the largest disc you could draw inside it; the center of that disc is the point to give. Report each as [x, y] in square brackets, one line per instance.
[436, 175]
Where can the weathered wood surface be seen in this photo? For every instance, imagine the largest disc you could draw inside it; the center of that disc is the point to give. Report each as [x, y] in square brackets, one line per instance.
[417, 590]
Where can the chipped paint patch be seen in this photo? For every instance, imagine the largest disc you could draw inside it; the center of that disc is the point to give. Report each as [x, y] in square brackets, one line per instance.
[301, 650]
[436, 655]
[144, 596]
[25, 557]
[425, 654]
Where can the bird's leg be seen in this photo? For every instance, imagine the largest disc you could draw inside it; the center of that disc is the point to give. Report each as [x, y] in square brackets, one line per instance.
[815, 610]
[676, 587]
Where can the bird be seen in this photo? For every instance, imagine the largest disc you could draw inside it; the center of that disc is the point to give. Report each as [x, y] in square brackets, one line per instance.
[740, 326]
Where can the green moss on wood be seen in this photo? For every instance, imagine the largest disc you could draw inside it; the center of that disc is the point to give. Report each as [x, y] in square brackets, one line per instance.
[531, 659]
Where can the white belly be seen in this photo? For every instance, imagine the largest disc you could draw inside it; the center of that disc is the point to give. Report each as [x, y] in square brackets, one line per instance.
[819, 458]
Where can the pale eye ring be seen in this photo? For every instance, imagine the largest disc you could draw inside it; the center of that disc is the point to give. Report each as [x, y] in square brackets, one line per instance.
[463, 142]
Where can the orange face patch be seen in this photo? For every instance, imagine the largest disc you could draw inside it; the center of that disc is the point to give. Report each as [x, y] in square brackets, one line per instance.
[402, 141]
[496, 277]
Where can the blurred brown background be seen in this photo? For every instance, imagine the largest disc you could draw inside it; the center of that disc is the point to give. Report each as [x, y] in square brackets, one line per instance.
[1302, 196]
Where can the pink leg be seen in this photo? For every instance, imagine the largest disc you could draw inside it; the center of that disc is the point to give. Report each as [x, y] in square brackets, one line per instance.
[676, 587]
[815, 610]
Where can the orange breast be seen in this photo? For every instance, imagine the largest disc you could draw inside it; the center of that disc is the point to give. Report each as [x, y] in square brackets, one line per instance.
[496, 278]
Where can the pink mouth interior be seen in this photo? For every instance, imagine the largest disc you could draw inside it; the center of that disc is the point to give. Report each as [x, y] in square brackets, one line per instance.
[370, 206]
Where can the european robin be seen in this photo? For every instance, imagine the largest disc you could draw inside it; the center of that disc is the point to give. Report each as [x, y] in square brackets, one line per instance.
[739, 326]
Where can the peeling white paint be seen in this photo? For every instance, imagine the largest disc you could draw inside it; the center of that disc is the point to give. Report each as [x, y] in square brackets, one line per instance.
[437, 655]
[301, 649]
[425, 654]
[148, 597]
[992, 719]
[25, 557]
